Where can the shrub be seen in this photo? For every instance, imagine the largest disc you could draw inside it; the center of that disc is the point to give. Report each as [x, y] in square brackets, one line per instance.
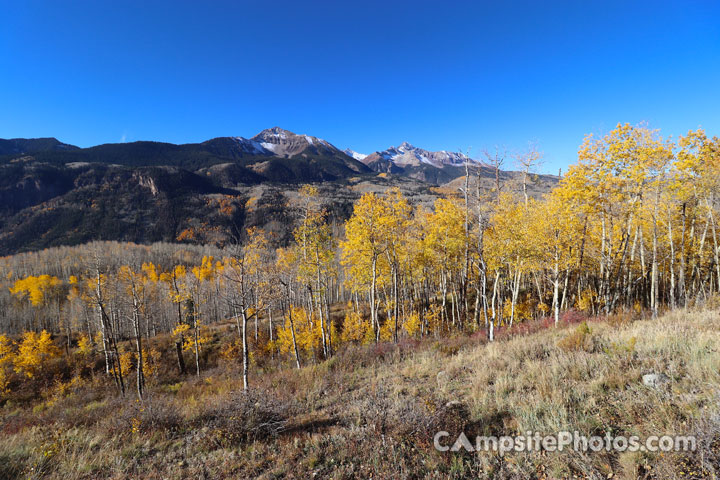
[160, 414]
[246, 417]
[402, 415]
[573, 316]
[451, 345]
[580, 339]
[620, 319]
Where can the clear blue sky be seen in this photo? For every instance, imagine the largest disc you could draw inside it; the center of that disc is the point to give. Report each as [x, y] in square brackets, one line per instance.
[361, 74]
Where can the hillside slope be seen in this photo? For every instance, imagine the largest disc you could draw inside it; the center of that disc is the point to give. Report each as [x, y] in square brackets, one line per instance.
[372, 411]
[55, 194]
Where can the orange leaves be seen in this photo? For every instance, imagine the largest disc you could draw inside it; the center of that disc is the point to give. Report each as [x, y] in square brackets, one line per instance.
[151, 362]
[618, 166]
[151, 272]
[6, 350]
[181, 330]
[251, 204]
[179, 271]
[125, 362]
[232, 351]
[226, 205]
[186, 332]
[412, 324]
[363, 229]
[507, 241]
[85, 345]
[697, 164]
[187, 235]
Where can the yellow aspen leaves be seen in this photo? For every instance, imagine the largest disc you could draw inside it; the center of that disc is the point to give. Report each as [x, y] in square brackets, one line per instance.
[307, 332]
[354, 329]
[151, 362]
[126, 361]
[412, 324]
[34, 351]
[85, 345]
[36, 289]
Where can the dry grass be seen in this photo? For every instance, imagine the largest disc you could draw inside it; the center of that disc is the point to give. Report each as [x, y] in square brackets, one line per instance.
[371, 412]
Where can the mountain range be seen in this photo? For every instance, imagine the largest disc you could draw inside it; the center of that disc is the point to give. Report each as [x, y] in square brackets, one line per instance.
[53, 193]
[410, 161]
[251, 160]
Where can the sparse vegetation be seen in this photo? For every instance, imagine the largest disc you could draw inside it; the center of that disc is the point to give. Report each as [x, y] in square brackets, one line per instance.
[372, 411]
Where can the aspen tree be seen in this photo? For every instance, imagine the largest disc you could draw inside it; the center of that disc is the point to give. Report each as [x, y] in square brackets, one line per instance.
[364, 250]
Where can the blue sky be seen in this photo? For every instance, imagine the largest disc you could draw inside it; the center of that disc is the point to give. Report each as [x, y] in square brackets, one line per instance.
[364, 75]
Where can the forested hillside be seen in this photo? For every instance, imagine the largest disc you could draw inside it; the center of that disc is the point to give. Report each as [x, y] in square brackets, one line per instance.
[54, 194]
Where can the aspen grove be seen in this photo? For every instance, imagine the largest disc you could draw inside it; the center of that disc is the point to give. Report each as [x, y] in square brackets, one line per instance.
[630, 227]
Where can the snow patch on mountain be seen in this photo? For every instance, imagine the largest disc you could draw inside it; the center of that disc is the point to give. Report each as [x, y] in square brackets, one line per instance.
[409, 155]
[251, 146]
[354, 154]
[270, 147]
[288, 144]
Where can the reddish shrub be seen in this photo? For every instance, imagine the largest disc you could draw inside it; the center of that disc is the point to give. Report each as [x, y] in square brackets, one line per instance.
[572, 317]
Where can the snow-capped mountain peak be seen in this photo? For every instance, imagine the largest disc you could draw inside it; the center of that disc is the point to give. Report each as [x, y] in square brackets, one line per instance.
[287, 144]
[354, 154]
[405, 146]
[409, 155]
[275, 132]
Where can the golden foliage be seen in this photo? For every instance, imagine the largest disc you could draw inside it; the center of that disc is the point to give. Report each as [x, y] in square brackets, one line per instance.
[85, 345]
[36, 289]
[412, 324]
[586, 300]
[308, 335]
[126, 362]
[151, 362]
[354, 329]
[34, 351]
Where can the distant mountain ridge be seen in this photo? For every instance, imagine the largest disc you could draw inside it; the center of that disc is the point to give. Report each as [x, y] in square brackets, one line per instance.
[413, 162]
[15, 146]
[53, 193]
[273, 155]
[409, 155]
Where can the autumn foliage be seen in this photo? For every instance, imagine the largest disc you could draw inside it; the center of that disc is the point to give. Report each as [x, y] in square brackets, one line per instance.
[631, 227]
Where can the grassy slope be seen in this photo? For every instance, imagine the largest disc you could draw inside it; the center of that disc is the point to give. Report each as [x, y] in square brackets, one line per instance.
[372, 412]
